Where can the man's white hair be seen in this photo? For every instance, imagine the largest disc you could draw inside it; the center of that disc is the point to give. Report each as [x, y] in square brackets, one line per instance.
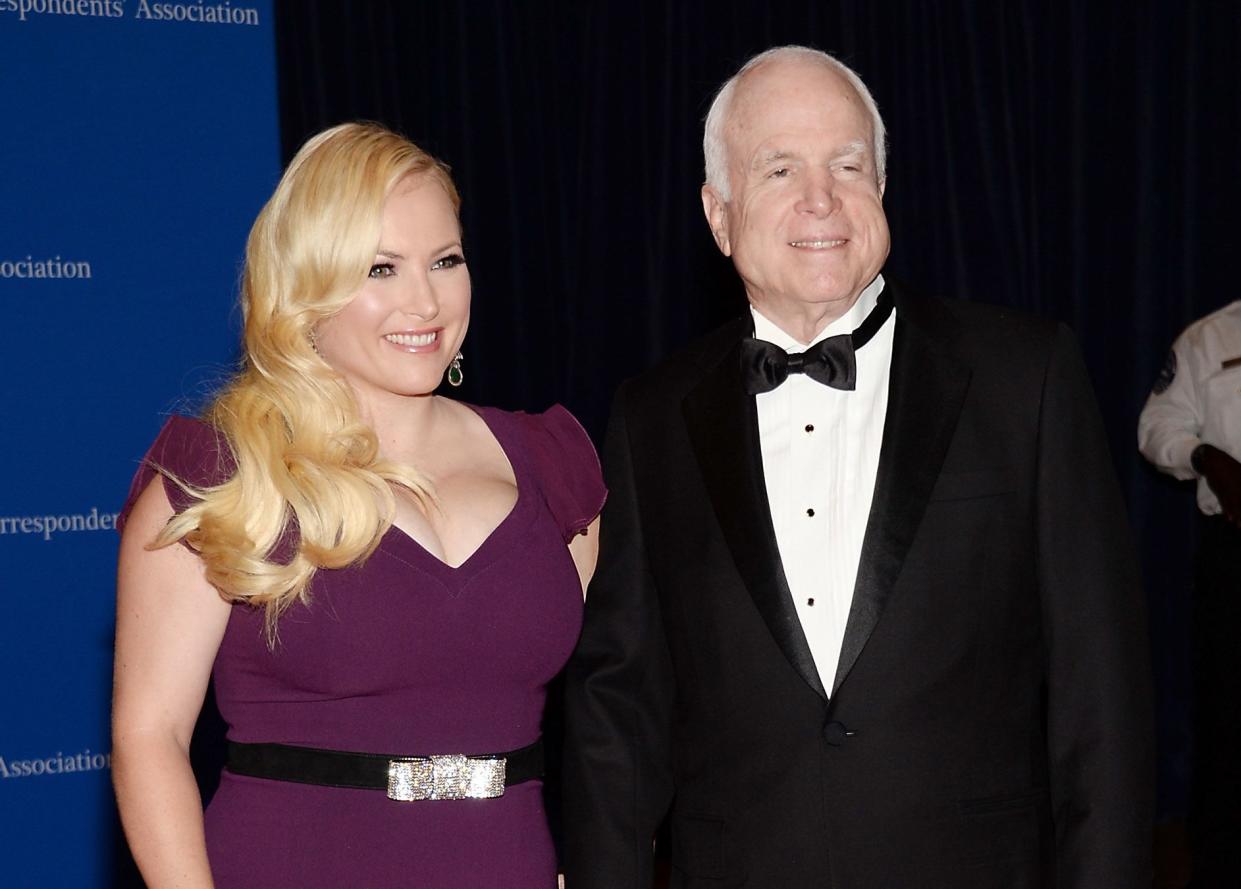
[713, 148]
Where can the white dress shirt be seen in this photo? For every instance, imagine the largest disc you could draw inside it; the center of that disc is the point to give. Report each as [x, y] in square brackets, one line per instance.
[1197, 400]
[820, 458]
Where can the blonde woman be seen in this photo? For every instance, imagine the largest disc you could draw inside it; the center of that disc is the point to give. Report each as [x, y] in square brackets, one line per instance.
[381, 580]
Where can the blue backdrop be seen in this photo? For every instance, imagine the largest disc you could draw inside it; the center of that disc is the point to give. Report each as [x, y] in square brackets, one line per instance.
[140, 140]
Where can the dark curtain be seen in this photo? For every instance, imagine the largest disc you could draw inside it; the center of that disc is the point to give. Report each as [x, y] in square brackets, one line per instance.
[1075, 160]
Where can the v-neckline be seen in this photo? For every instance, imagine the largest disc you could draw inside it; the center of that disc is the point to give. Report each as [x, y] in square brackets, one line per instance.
[475, 559]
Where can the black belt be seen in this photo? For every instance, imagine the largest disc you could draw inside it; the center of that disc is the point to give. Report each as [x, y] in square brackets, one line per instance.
[405, 778]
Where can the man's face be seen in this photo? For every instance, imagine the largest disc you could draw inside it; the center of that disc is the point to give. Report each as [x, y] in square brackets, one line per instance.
[804, 225]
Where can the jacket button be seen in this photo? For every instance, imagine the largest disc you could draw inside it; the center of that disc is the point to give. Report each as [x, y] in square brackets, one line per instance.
[834, 733]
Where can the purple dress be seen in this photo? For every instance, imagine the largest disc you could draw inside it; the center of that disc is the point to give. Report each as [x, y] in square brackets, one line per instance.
[402, 654]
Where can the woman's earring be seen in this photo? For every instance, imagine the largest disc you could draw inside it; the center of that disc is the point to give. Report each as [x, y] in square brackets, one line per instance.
[455, 376]
[314, 340]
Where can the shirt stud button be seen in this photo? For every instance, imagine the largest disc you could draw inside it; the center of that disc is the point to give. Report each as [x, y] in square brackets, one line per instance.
[835, 733]
[810, 512]
[810, 427]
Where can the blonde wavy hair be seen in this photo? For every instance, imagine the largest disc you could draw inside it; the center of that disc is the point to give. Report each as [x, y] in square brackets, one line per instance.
[307, 467]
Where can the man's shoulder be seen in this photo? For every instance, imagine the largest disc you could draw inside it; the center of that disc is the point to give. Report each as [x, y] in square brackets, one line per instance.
[676, 374]
[1224, 315]
[1224, 322]
[973, 332]
[975, 329]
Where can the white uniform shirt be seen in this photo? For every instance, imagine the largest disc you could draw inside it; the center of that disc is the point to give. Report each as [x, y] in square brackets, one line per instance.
[1197, 400]
[820, 458]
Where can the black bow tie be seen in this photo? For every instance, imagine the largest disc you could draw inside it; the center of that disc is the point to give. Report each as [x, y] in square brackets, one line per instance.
[765, 366]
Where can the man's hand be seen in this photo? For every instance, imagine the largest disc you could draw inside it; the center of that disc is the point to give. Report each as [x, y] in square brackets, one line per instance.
[1223, 475]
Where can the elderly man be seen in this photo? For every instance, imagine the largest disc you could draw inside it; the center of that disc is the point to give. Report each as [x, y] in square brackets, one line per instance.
[866, 614]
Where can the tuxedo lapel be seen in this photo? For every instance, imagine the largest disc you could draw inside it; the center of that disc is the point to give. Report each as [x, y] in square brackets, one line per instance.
[723, 428]
[926, 391]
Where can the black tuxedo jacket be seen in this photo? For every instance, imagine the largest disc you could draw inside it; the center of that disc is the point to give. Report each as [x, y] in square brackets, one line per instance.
[990, 724]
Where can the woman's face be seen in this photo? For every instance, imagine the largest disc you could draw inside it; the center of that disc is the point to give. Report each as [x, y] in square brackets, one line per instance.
[398, 333]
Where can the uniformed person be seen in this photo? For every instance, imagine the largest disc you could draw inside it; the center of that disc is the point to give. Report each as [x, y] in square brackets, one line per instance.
[1191, 429]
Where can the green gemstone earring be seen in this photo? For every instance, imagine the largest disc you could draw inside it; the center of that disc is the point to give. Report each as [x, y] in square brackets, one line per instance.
[455, 377]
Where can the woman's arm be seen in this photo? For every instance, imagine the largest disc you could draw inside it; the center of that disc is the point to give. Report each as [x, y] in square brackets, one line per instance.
[584, 548]
[169, 623]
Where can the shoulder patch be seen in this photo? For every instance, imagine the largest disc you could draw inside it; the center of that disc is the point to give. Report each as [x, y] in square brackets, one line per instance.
[1167, 375]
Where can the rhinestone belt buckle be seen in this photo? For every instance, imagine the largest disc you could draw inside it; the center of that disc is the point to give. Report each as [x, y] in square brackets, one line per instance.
[445, 777]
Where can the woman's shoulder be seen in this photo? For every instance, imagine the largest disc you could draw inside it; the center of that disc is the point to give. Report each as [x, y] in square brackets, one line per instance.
[192, 450]
[188, 453]
[554, 427]
[565, 464]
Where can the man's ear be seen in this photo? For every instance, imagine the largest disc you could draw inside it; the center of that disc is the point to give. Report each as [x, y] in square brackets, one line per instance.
[714, 209]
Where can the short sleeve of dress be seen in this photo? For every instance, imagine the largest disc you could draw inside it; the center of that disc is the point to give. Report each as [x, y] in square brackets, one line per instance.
[185, 449]
[567, 468]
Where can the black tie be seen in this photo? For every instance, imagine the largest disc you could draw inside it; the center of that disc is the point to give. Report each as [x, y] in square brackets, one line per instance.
[831, 361]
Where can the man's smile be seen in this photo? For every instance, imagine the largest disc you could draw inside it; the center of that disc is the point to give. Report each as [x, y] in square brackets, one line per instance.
[819, 245]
